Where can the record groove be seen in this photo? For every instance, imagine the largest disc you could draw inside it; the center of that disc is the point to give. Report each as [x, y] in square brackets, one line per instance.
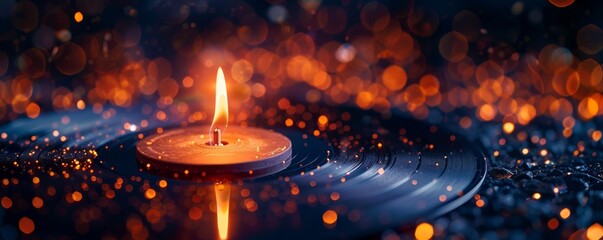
[383, 173]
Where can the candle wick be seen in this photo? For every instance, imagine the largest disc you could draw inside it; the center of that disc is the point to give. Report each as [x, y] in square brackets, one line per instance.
[216, 139]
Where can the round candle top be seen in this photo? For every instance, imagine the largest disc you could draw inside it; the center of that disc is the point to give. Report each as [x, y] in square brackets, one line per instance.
[245, 152]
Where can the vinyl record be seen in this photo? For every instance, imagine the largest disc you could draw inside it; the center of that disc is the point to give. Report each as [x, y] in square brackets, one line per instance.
[358, 179]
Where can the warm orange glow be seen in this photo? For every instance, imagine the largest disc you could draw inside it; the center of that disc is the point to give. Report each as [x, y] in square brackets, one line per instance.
[221, 110]
[525, 114]
[565, 213]
[525, 151]
[394, 77]
[162, 183]
[329, 217]
[595, 231]
[32, 110]
[195, 213]
[150, 193]
[76, 196]
[26, 225]
[6, 202]
[487, 112]
[424, 231]
[536, 196]
[465, 122]
[596, 135]
[508, 127]
[323, 120]
[187, 82]
[553, 223]
[335, 196]
[37, 202]
[480, 203]
[289, 122]
[588, 108]
[561, 3]
[222, 207]
[295, 190]
[78, 16]
[250, 205]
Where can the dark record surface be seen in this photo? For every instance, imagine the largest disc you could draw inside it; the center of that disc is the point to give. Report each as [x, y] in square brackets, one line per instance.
[374, 174]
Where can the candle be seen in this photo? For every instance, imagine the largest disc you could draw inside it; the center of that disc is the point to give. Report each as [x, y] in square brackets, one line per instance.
[212, 152]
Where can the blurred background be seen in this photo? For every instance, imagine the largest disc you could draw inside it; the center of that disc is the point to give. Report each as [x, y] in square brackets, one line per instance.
[508, 61]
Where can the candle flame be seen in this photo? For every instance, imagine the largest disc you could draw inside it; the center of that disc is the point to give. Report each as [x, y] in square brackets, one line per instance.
[221, 109]
[222, 191]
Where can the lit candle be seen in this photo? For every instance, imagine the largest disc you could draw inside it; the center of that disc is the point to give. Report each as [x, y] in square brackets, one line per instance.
[192, 153]
[209, 153]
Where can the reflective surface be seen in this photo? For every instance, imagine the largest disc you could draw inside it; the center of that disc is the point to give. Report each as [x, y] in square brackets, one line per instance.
[380, 174]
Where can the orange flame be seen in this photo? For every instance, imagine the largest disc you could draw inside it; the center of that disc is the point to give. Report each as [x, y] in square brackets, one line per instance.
[221, 109]
[222, 191]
